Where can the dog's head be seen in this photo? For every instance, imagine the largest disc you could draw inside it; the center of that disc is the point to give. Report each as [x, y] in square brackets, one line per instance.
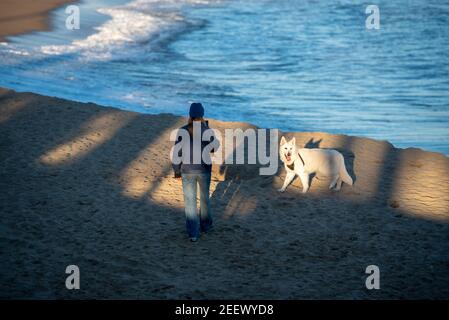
[287, 151]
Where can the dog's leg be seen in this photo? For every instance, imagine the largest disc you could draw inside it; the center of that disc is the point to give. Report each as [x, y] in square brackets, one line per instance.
[339, 182]
[305, 181]
[288, 178]
[334, 182]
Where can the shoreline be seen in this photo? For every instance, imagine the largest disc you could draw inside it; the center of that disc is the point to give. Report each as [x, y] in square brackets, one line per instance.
[29, 16]
[415, 128]
[93, 186]
[244, 123]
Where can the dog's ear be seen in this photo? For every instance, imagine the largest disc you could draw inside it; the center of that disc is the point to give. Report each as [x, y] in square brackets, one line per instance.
[293, 141]
[283, 141]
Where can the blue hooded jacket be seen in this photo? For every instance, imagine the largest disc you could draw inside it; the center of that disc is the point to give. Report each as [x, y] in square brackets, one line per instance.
[190, 167]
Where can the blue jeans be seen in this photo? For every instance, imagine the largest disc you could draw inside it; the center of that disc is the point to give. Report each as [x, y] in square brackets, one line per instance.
[196, 222]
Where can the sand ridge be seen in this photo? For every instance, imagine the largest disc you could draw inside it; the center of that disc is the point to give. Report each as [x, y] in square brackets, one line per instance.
[89, 185]
[26, 16]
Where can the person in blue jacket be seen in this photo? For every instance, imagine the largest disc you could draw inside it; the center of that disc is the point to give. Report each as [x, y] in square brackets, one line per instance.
[195, 173]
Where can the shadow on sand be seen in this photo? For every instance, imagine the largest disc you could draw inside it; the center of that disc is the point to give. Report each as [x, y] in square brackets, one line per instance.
[92, 186]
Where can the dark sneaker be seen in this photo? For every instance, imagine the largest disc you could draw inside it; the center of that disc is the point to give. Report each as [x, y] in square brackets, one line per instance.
[193, 239]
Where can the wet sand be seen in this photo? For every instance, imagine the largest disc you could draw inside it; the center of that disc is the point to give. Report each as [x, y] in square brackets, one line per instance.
[92, 186]
[18, 17]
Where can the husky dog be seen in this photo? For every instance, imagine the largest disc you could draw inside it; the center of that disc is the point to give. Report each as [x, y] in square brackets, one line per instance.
[303, 162]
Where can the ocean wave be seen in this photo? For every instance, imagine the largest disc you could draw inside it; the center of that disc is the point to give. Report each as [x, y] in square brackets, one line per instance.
[137, 22]
[6, 47]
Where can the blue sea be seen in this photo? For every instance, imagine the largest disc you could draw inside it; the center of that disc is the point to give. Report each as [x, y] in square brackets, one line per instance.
[298, 65]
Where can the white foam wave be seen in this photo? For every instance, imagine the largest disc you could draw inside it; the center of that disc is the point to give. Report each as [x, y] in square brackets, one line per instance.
[131, 24]
[8, 49]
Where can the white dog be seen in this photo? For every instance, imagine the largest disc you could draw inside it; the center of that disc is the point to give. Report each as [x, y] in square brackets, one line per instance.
[303, 162]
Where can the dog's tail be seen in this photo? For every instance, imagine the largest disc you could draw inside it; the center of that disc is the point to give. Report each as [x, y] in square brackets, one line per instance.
[344, 175]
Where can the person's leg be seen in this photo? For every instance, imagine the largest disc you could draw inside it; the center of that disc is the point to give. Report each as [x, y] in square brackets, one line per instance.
[205, 214]
[189, 186]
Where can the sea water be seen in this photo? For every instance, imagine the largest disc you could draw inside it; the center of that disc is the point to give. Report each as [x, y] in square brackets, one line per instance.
[298, 65]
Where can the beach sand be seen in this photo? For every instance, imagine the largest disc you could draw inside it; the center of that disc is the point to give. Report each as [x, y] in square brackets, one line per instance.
[18, 17]
[92, 186]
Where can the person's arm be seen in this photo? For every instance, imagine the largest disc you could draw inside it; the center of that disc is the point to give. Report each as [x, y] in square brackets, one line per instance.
[177, 167]
[215, 142]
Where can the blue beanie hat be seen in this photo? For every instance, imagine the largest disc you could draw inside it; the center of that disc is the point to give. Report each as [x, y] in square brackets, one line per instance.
[196, 110]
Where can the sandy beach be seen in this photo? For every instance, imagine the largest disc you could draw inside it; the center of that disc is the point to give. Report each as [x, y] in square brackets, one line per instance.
[92, 186]
[18, 17]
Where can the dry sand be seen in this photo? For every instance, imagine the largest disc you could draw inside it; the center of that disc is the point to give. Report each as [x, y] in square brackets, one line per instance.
[92, 186]
[22, 16]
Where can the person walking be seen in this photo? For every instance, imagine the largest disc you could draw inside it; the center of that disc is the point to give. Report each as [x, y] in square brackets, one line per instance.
[195, 173]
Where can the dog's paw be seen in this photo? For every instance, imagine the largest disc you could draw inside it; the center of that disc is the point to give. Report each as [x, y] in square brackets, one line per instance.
[281, 190]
